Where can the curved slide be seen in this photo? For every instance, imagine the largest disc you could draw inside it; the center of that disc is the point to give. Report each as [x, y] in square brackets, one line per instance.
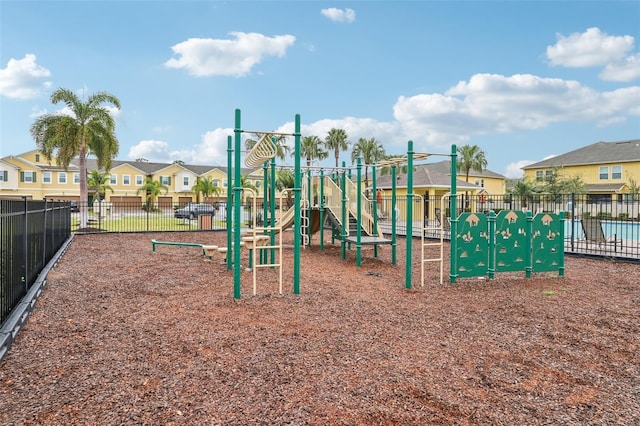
[287, 219]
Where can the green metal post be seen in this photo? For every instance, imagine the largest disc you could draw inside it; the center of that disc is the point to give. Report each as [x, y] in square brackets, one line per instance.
[529, 250]
[273, 209]
[394, 217]
[453, 261]
[561, 260]
[374, 209]
[343, 185]
[309, 201]
[296, 223]
[321, 210]
[359, 213]
[237, 200]
[229, 198]
[492, 244]
[409, 221]
[266, 198]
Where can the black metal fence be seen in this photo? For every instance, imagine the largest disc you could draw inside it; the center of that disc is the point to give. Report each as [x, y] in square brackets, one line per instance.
[31, 232]
[136, 217]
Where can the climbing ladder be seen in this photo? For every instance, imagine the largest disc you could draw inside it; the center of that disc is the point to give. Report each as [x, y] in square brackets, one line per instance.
[429, 243]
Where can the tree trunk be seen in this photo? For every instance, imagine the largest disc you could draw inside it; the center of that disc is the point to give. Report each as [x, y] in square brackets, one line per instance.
[84, 194]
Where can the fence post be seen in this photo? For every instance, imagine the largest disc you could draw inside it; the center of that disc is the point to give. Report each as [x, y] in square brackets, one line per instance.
[25, 239]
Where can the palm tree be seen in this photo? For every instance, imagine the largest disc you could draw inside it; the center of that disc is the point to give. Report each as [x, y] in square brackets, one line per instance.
[524, 189]
[471, 157]
[312, 148]
[337, 140]
[371, 151]
[282, 149]
[98, 183]
[285, 179]
[151, 188]
[89, 129]
[206, 187]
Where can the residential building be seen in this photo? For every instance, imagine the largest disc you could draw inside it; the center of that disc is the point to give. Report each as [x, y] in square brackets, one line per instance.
[610, 170]
[30, 175]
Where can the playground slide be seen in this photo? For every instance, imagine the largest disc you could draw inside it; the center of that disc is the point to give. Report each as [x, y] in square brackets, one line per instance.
[286, 220]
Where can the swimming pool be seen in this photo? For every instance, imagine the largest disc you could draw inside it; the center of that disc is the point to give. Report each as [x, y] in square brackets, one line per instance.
[623, 230]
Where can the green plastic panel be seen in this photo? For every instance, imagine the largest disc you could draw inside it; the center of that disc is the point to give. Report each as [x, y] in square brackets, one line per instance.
[548, 244]
[511, 241]
[472, 245]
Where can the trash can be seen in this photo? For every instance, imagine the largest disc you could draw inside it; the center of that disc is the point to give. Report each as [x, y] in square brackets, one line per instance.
[205, 222]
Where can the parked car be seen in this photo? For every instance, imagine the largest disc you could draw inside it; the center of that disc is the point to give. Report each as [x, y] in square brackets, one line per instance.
[191, 211]
[74, 206]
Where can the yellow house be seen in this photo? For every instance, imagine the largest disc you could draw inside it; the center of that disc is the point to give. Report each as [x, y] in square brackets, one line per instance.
[31, 175]
[610, 170]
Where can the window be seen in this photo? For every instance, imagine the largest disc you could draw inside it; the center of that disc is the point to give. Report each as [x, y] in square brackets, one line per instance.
[224, 183]
[28, 177]
[139, 180]
[548, 175]
[113, 180]
[185, 181]
[76, 178]
[616, 172]
[604, 173]
[216, 183]
[4, 176]
[482, 183]
[477, 182]
[165, 180]
[258, 184]
[539, 176]
[37, 158]
[46, 177]
[62, 177]
[126, 179]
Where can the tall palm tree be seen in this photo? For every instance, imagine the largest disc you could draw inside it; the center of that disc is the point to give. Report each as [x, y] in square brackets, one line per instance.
[371, 151]
[206, 187]
[312, 148]
[98, 183]
[471, 157]
[282, 149]
[337, 140]
[151, 188]
[89, 129]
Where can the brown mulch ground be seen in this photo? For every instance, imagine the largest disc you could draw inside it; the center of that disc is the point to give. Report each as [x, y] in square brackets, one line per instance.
[122, 335]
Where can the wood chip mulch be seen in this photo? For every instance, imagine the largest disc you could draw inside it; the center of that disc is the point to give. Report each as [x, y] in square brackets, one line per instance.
[122, 335]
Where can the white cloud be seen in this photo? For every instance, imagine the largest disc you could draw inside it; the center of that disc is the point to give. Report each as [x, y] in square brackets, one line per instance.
[490, 103]
[211, 151]
[514, 171]
[23, 78]
[593, 48]
[152, 150]
[339, 15]
[589, 49]
[624, 70]
[210, 57]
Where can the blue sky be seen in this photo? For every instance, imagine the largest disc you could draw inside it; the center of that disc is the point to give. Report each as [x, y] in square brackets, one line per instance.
[522, 80]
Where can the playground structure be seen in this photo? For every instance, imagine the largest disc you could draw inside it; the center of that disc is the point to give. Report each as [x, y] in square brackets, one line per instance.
[478, 247]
